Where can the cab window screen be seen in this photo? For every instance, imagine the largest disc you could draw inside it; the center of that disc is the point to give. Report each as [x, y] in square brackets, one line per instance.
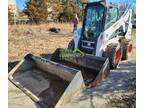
[93, 21]
[111, 17]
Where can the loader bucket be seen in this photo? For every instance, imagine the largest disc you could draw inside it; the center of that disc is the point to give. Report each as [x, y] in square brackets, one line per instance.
[47, 83]
[94, 69]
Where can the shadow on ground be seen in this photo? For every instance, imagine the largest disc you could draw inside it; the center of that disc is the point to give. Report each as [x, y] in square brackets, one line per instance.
[120, 81]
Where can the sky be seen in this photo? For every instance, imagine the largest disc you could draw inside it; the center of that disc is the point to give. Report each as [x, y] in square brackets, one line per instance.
[21, 3]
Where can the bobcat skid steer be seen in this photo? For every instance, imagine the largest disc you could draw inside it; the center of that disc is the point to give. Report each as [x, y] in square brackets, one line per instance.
[52, 83]
[105, 32]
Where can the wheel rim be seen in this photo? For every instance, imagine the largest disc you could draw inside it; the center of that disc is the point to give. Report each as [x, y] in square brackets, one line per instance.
[129, 50]
[117, 56]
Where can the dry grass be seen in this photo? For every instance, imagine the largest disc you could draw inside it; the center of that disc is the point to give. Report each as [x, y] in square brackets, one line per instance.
[36, 39]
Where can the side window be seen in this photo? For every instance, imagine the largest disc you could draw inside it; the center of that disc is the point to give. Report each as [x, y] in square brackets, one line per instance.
[112, 17]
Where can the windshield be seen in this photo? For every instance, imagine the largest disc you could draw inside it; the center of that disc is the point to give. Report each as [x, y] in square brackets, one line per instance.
[93, 22]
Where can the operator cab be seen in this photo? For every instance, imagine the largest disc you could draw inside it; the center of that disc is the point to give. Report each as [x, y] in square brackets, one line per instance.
[93, 25]
[95, 22]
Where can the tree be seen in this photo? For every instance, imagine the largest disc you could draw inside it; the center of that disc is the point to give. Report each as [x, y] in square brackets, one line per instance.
[64, 10]
[55, 7]
[36, 10]
[42, 10]
[73, 7]
[10, 17]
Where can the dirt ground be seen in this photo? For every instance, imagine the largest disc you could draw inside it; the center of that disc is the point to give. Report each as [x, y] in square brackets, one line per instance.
[24, 39]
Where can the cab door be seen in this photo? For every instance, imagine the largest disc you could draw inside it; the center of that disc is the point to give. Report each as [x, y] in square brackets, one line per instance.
[92, 27]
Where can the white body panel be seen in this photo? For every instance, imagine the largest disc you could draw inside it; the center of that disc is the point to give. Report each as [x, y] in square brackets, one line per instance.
[106, 37]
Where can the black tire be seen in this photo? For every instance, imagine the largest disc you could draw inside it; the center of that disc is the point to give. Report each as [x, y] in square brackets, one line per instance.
[125, 49]
[71, 45]
[111, 52]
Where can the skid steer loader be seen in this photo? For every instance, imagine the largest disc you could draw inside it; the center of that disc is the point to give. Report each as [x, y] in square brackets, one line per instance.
[53, 82]
[105, 32]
